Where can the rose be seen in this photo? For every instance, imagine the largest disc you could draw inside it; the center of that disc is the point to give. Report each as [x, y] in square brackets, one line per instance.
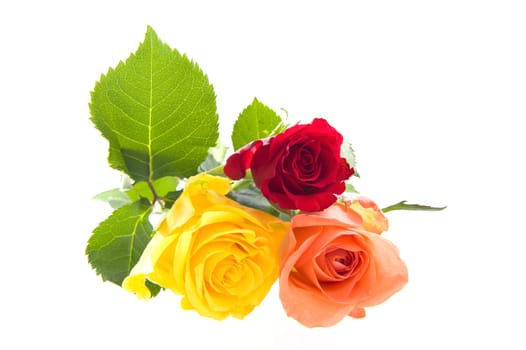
[221, 256]
[333, 267]
[300, 168]
[373, 220]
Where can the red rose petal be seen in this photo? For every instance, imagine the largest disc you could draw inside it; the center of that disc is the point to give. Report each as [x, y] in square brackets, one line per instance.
[237, 164]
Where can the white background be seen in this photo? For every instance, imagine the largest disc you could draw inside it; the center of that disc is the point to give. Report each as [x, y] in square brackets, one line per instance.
[430, 93]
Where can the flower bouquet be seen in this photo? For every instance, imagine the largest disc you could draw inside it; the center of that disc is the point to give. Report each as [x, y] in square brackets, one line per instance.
[280, 207]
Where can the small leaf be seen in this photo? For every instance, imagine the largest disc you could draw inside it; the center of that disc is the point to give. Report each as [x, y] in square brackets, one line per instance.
[118, 242]
[154, 288]
[162, 187]
[158, 112]
[166, 189]
[347, 152]
[140, 190]
[215, 158]
[165, 185]
[115, 197]
[350, 188]
[404, 206]
[257, 121]
[218, 151]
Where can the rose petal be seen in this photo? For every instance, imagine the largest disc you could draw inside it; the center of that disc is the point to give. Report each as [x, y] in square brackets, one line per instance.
[237, 164]
[306, 305]
[335, 215]
[357, 313]
[388, 273]
[373, 218]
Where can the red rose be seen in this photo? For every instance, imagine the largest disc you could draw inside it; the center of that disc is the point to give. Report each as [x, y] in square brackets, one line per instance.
[300, 168]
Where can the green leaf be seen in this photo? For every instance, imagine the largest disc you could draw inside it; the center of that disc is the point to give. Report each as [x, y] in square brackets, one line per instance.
[347, 152]
[118, 242]
[166, 189]
[404, 206]
[170, 198]
[115, 197]
[154, 288]
[257, 121]
[252, 197]
[140, 190]
[216, 157]
[350, 188]
[165, 185]
[162, 187]
[158, 112]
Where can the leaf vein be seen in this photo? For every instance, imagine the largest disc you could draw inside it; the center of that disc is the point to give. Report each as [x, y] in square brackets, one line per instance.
[122, 110]
[129, 138]
[134, 235]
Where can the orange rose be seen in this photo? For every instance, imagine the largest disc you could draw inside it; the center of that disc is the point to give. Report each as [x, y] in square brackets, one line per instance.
[333, 266]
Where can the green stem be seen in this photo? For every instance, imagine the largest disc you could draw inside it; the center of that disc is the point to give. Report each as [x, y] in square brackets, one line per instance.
[403, 206]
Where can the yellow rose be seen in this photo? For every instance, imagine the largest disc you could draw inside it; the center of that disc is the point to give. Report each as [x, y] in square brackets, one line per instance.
[221, 256]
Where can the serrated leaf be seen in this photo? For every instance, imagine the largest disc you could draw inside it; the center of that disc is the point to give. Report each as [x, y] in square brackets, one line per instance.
[404, 206]
[158, 112]
[347, 152]
[118, 242]
[115, 197]
[257, 121]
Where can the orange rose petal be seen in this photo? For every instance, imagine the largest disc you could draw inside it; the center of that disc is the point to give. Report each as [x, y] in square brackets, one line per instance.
[344, 291]
[390, 272]
[292, 262]
[336, 215]
[373, 218]
[357, 313]
[307, 306]
[299, 300]
[385, 275]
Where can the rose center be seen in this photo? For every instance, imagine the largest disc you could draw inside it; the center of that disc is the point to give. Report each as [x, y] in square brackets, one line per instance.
[304, 162]
[341, 261]
[231, 275]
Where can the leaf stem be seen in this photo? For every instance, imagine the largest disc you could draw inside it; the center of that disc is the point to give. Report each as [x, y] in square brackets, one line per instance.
[156, 198]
